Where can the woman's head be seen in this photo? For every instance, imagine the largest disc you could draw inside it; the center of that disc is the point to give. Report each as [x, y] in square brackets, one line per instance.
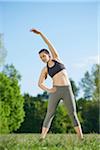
[44, 55]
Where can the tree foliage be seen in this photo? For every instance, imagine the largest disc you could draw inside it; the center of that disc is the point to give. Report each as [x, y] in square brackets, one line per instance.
[90, 83]
[35, 109]
[11, 72]
[11, 104]
[96, 79]
[3, 51]
[75, 89]
[89, 111]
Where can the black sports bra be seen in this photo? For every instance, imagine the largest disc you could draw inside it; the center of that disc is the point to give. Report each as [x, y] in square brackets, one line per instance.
[57, 67]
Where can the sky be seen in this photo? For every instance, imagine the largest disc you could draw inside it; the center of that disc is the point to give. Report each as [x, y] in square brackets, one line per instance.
[71, 26]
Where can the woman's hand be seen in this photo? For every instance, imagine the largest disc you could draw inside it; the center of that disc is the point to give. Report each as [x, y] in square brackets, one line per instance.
[52, 90]
[35, 31]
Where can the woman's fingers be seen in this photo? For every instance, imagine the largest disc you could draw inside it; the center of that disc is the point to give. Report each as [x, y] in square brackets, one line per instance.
[35, 31]
[52, 90]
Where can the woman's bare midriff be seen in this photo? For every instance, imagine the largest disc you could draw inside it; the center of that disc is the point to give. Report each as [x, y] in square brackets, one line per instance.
[61, 78]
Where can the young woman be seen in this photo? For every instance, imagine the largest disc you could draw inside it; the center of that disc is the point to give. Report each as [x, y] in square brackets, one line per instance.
[61, 88]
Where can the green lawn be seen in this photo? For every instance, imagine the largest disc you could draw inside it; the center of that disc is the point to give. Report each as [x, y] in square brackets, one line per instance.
[52, 142]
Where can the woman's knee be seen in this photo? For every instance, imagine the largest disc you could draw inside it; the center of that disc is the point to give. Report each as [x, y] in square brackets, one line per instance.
[47, 121]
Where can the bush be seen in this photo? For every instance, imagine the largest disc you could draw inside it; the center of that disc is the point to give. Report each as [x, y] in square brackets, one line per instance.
[11, 104]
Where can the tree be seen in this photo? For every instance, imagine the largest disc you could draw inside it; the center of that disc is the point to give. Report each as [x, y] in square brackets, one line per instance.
[43, 96]
[90, 83]
[75, 89]
[96, 79]
[89, 115]
[11, 104]
[3, 51]
[35, 109]
[11, 72]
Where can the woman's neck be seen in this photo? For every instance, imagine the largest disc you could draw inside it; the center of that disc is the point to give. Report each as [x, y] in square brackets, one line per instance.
[50, 62]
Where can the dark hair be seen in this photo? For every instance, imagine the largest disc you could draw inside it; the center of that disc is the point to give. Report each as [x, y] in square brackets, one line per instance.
[45, 51]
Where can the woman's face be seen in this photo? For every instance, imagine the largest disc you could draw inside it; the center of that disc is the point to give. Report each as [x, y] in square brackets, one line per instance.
[44, 57]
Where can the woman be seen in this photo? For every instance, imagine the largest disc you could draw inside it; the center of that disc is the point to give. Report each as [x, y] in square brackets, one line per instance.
[61, 88]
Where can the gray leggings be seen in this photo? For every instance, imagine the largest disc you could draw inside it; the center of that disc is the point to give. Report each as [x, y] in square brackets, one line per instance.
[65, 93]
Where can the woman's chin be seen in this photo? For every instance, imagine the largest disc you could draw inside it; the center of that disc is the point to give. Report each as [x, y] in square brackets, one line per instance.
[44, 62]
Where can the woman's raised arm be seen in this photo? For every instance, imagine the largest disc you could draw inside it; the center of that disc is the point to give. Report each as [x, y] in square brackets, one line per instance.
[50, 46]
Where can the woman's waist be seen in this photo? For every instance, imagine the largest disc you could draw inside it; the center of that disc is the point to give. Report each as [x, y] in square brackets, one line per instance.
[61, 82]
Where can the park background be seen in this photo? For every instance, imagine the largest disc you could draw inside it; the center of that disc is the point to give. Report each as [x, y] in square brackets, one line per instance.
[73, 28]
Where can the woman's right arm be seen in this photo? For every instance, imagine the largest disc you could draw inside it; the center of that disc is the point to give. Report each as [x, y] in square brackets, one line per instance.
[42, 78]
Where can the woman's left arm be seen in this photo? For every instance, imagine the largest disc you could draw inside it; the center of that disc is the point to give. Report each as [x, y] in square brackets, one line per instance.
[50, 46]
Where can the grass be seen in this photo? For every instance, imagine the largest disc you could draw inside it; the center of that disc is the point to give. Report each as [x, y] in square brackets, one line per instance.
[52, 142]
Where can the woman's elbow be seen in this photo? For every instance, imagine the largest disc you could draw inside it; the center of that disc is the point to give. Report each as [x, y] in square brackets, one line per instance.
[39, 84]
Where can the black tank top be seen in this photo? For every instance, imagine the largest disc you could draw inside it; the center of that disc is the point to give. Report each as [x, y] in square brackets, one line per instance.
[56, 68]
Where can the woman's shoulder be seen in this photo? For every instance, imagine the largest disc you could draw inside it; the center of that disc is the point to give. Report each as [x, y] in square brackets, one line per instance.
[44, 69]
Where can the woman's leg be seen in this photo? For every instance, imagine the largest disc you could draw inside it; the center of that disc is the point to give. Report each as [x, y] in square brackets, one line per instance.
[77, 125]
[69, 102]
[79, 131]
[52, 104]
[44, 132]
